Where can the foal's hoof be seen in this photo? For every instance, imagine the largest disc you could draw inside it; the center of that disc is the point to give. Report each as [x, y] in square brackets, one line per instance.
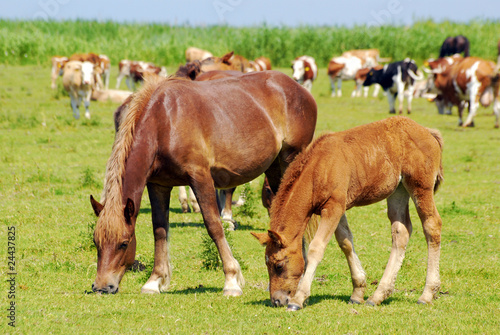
[421, 302]
[293, 308]
[370, 303]
[232, 293]
[149, 291]
[354, 302]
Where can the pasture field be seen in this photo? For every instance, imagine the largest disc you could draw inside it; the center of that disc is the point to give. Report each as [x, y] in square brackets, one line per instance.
[34, 42]
[50, 163]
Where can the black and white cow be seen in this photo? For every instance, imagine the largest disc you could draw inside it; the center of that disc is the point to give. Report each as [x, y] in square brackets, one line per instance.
[394, 79]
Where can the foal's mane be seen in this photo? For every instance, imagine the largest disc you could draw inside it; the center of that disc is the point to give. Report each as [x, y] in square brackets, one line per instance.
[111, 224]
[291, 175]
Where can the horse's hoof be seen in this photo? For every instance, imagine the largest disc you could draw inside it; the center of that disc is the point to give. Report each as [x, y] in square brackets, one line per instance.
[149, 291]
[354, 302]
[370, 303]
[421, 302]
[233, 293]
[293, 308]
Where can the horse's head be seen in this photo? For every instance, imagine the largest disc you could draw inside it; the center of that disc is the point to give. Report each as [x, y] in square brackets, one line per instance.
[285, 265]
[115, 243]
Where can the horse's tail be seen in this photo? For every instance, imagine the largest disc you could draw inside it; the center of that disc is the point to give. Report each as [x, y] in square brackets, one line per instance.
[440, 177]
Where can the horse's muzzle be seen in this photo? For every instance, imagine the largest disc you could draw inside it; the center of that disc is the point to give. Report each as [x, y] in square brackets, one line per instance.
[280, 298]
[106, 289]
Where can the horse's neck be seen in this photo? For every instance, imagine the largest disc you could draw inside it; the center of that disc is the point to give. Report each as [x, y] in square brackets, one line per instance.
[297, 207]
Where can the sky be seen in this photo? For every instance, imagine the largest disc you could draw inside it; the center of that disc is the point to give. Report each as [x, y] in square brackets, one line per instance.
[254, 12]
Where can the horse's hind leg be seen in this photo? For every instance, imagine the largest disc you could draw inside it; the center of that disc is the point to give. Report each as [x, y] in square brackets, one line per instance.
[344, 239]
[431, 223]
[162, 271]
[398, 212]
[204, 189]
[225, 205]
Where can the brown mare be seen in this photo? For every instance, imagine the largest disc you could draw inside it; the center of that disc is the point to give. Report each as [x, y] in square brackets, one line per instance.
[208, 135]
[394, 159]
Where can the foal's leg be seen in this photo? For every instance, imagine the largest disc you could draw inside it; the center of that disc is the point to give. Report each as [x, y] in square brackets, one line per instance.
[183, 199]
[330, 216]
[226, 198]
[162, 271]
[344, 239]
[431, 223]
[203, 187]
[398, 212]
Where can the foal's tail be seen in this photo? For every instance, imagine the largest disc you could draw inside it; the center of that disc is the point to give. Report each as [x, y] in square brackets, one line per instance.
[440, 177]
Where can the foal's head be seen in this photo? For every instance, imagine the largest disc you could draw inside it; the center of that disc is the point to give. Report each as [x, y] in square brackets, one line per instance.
[115, 243]
[285, 264]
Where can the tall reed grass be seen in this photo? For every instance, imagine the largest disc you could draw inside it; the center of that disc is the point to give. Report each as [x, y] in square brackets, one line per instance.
[34, 42]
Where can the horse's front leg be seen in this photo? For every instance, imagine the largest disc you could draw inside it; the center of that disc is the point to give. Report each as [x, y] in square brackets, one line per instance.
[344, 239]
[330, 216]
[162, 271]
[204, 189]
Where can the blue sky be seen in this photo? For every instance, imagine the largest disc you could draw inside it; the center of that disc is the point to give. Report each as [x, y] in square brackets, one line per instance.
[254, 12]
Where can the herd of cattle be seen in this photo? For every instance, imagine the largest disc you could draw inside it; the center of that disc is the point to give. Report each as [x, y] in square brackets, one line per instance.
[453, 79]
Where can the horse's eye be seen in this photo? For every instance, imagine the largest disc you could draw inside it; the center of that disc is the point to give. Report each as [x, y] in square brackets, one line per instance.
[124, 245]
[280, 266]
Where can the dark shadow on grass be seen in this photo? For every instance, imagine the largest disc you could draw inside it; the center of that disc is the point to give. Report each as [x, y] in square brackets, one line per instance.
[199, 289]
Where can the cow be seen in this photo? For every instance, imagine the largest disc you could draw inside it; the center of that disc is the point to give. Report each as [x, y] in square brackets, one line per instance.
[394, 79]
[239, 63]
[439, 65]
[57, 66]
[454, 45]
[101, 66]
[472, 80]
[305, 71]
[360, 78]
[346, 66]
[193, 54]
[259, 64]
[78, 81]
[498, 59]
[134, 72]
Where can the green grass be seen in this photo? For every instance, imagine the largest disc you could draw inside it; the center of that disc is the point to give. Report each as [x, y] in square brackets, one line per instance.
[34, 42]
[48, 172]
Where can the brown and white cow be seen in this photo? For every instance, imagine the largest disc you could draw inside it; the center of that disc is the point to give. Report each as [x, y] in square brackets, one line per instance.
[116, 96]
[135, 71]
[57, 66]
[305, 71]
[101, 66]
[440, 65]
[259, 64]
[193, 54]
[78, 81]
[195, 68]
[473, 80]
[498, 59]
[346, 67]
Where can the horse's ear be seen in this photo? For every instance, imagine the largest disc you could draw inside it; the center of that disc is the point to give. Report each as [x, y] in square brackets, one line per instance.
[226, 57]
[129, 210]
[277, 238]
[96, 206]
[262, 237]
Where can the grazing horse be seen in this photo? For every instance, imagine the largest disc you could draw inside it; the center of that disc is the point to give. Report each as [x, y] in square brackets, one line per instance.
[394, 159]
[205, 134]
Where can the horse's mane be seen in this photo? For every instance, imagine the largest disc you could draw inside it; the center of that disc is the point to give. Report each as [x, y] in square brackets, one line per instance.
[291, 175]
[111, 222]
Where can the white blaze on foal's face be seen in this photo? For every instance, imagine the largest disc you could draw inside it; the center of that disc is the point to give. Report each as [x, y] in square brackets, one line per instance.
[87, 72]
[298, 70]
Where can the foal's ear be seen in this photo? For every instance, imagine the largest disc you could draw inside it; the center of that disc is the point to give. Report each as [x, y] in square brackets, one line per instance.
[96, 206]
[129, 210]
[226, 57]
[277, 238]
[262, 237]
